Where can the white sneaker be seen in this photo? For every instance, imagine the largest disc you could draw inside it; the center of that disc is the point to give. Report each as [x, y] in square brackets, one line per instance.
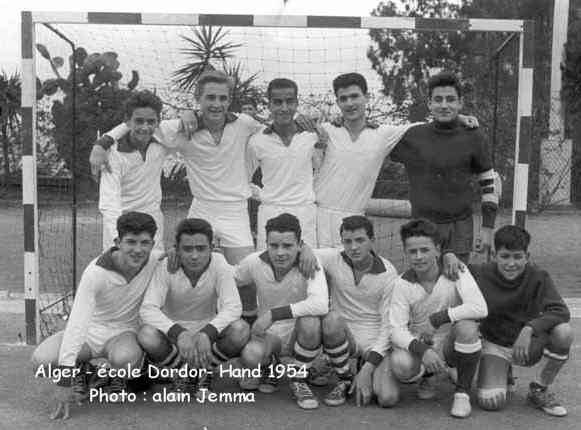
[461, 407]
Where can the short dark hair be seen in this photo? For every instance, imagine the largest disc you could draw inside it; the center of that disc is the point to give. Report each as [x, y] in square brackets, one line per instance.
[213, 77]
[355, 222]
[347, 79]
[135, 223]
[420, 228]
[193, 226]
[284, 223]
[248, 101]
[279, 83]
[512, 237]
[444, 79]
[142, 99]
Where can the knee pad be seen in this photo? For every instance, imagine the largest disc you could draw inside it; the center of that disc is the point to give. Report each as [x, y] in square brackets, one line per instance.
[492, 399]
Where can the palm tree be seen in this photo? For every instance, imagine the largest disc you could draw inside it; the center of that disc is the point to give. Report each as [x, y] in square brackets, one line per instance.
[206, 48]
[10, 92]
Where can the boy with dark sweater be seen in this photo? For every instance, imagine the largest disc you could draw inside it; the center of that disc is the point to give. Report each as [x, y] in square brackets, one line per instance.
[527, 319]
[441, 158]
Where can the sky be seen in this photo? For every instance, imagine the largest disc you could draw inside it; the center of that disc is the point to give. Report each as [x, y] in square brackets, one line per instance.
[10, 13]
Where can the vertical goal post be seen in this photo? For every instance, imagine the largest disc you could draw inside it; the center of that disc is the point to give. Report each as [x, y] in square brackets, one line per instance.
[524, 29]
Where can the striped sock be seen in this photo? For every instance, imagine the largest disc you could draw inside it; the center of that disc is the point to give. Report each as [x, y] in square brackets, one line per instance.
[339, 358]
[304, 357]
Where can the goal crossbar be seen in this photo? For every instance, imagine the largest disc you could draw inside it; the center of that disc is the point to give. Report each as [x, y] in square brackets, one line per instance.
[524, 29]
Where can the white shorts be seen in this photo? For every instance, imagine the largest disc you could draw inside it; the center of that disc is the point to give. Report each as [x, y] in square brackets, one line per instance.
[228, 219]
[110, 230]
[328, 224]
[285, 331]
[362, 338]
[98, 337]
[307, 215]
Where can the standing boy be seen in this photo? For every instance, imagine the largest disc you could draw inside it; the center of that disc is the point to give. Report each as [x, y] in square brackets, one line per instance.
[441, 158]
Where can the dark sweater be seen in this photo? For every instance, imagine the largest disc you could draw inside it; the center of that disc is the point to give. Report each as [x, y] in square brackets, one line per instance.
[531, 300]
[440, 162]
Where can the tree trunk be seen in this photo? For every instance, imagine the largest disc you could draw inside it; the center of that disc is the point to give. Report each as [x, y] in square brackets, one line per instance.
[5, 154]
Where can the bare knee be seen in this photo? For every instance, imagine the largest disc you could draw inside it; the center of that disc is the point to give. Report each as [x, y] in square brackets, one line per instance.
[387, 400]
[466, 331]
[403, 365]
[253, 354]
[308, 331]
[125, 351]
[333, 329]
[562, 336]
[236, 335]
[149, 337]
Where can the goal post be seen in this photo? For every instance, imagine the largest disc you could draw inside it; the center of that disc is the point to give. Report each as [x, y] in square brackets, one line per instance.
[30, 21]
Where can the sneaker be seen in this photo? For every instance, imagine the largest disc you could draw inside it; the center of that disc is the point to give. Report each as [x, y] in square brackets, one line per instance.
[426, 389]
[542, 398]
[205, 382]
[80, 386]
[338, 395]
[249, 384]
[303, 395]
[268, 384]
[116, 386]
[96, 381]
[461, 407]
[184, 384]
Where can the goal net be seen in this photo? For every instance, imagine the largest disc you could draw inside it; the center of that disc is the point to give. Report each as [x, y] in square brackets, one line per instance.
[114, 58]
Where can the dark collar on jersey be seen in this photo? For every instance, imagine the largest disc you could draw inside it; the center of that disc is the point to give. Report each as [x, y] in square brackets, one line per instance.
[376, 268]
[410, 276]
[339, 122]
[230, 117]
[107, 262]
[124, 144]
[446, 126]
[270, 129]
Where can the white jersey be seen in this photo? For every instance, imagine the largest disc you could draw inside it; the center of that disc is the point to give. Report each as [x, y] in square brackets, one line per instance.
[349, 170]
[172, 299]
[411, 305]
[363, 306]
[134, 181]
[287, 171]
[215, 171]
[291, 297]
[104, 302]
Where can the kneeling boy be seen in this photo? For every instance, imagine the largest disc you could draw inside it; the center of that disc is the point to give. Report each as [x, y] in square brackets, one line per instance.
[289, 307]
[433, 319]
[527, 320]
[192, 317]
[360, 284]
[104, 318]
